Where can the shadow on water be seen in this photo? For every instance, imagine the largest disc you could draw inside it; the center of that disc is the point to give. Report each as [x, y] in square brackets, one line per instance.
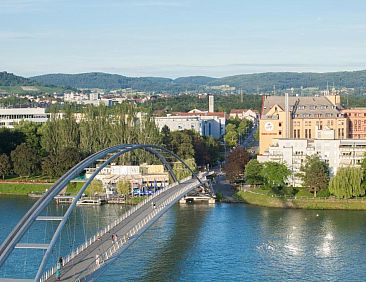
[189, 220]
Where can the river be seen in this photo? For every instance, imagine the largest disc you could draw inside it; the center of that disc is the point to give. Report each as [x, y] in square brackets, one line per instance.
[231, 242]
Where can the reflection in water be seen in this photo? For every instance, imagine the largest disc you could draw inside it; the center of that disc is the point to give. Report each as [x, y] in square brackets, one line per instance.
[223, 243]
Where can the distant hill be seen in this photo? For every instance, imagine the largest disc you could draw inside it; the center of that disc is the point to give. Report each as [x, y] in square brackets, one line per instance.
[9, 79]
[286, 80]
[248, 82]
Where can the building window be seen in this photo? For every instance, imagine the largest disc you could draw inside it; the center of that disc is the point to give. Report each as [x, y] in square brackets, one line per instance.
[306, 134]
[280, 124]
[295, 133]
[280, 132]
[309, 133]
[298, 133]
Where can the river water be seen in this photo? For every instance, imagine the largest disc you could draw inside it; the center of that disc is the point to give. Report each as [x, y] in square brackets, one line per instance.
[231, 242]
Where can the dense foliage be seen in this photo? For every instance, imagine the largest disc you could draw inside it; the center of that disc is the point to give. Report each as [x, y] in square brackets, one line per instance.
[9, 79]
[236, 130]
[189, 144]
[252, 173]
[235, 163]
[248, 82]
[56, 146]
[315, 174]
[347, 183]
[275, 175]
[223, 103]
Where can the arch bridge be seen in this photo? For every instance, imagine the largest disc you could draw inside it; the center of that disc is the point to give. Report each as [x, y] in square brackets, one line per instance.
[87, 261]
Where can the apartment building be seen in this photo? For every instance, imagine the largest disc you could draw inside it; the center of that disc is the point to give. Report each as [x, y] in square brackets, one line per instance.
[356, 118]
[335, 152]
[299, 118]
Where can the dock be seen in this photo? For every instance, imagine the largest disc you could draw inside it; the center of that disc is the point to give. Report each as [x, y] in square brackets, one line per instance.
[199, 198]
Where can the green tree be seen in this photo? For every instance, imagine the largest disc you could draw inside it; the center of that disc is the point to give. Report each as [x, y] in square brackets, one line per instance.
[347, 183]
[181, 171]
[56, 164]
[31, 132]
[4, 165]
[95, 187]
[123, 187]
[167, 138]
[275, 174]
[315, 174]
[363, 168]
[25, 160]
[244, 127]
[231, 135]
[252, 172]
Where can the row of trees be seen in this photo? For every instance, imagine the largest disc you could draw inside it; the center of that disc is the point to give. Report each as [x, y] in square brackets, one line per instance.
[347, 183]
[236, 130]
[54, 147]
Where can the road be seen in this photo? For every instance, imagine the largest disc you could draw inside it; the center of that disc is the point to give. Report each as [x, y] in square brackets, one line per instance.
[81, 264]
[249, 138]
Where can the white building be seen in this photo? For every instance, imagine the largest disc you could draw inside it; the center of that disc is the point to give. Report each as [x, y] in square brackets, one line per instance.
[244, 114]
[336, 153]
[11, 117]
[206, 124]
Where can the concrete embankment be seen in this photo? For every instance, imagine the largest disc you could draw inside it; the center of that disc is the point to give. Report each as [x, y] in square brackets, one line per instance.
[301, 203]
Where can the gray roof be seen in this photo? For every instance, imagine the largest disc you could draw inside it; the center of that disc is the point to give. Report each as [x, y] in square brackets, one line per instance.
[304, 106]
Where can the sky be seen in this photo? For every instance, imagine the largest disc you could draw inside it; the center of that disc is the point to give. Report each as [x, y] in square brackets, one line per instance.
[173, 38]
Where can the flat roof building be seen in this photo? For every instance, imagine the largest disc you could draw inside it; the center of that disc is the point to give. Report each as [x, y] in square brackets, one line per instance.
[335, 152]
[10, 117]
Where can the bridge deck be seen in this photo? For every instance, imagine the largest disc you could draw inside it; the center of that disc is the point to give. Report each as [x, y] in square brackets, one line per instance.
[80, 266]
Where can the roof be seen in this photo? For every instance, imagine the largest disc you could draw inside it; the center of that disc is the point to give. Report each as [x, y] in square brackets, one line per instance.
[302, 106]
[212, 114]
[239, 111]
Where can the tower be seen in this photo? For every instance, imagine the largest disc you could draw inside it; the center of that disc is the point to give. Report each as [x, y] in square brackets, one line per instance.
[211, 105]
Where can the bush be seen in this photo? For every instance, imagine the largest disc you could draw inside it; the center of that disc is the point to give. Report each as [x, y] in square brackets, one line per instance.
[323, 193]
[304, 193]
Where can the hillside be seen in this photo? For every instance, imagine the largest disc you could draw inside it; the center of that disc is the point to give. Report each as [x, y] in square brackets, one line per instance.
[286, 80]
[248, 82]
[13, 84]
[9, 79]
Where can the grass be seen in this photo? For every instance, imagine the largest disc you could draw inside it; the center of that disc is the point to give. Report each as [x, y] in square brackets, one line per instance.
[302, 203]
[22, 188]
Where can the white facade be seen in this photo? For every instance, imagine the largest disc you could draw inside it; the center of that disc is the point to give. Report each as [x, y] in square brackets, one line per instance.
[244, 114]
[11, 117]
[205, 125]
[336, 153]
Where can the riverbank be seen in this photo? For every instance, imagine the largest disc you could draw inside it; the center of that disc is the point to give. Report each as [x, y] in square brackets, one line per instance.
[25, 188]
[264, 200]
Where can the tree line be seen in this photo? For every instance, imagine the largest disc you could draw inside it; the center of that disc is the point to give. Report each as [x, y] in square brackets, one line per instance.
[52, 148]
[347, 183]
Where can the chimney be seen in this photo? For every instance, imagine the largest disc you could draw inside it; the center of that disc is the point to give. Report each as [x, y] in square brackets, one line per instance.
[211, 105]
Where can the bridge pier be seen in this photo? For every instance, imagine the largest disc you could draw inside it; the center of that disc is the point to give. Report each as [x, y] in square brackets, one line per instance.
[193, 199]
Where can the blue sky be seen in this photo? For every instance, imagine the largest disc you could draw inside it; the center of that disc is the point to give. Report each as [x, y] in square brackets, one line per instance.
[181, 37]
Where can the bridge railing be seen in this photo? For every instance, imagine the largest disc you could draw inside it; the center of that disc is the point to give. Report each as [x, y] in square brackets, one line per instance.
[105, 230]
[110, 252]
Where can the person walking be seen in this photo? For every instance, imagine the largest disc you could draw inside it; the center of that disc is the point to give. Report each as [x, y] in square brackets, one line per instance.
[97, 260]
[58, 274]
